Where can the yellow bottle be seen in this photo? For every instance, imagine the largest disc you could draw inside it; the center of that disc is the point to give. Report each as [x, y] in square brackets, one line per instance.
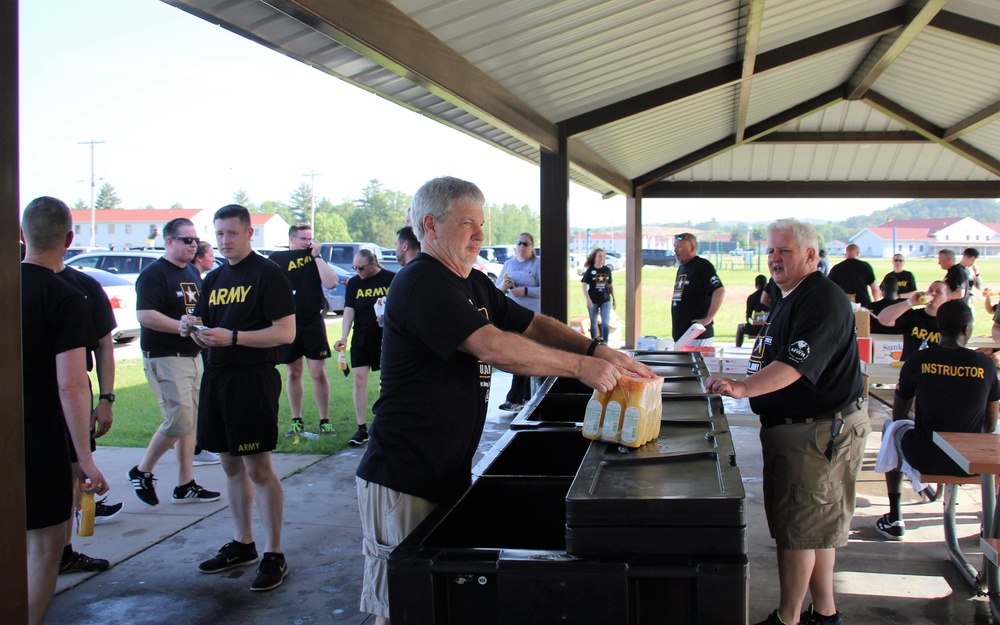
[593, 418]
[85, 514]
[342, 359]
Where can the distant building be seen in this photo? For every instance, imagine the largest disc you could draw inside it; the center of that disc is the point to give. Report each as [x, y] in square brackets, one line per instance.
[835, 250]
[924, 237]
[144, 227]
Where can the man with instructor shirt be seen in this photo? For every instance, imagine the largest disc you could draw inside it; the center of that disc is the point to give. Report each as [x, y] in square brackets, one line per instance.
[446, 326]
[805, 383]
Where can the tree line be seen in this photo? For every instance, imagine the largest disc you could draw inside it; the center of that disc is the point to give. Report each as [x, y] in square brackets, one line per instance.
[374, 217]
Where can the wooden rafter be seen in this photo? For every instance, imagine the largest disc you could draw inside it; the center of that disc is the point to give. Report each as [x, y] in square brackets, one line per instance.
[891, 46]
[967, 28]
[978, 119]
[750, 38]
[848, 189]
[929, 130]
[844, 137]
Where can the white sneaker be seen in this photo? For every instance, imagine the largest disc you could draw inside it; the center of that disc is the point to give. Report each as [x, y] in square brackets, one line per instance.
[205, 457]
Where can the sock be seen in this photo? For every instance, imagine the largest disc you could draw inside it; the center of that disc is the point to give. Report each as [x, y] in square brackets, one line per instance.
[894, 511]
[67, 553]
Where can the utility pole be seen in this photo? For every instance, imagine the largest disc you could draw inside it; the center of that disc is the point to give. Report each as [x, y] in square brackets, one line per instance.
[93, 210]
[312, 201]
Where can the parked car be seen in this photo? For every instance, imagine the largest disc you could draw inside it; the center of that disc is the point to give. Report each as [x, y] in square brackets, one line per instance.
[497, 253]
[342, 255]
[74, 250]
[126, 264]
[658, 258]
[492, 270]
[336, 296]
[741, 251]
[121, 295]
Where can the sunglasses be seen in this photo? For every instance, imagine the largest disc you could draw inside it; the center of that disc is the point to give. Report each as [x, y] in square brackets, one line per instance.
[187, 240]
[681, 237]
[897, 260]
[523, 244]
[356, 268]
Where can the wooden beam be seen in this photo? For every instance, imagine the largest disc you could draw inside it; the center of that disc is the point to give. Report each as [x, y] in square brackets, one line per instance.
[752, 133]
[975, 121]
[926, 128]
[967, 28]
[13, 548]
[750, 39]
[889, 47]
[846, 189]
[861, 137]
[554, 211]
[730, 74]
[633, 273]
[584, 158]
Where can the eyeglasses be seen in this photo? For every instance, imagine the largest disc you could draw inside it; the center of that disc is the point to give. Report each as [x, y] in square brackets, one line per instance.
[187, 240]
[356, 268]
[523, 244]
[682, 237]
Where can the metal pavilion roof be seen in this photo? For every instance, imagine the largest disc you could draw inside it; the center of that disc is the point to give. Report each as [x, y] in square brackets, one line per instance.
[666, 98]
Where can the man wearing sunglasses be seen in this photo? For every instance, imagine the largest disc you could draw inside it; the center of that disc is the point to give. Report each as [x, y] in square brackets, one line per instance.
[167, 290]
[309, 274]
[698, 291]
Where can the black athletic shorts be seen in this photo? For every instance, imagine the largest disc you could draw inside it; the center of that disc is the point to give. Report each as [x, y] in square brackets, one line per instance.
[366, 350]
[238, 409]
[48, 485]
[310, 341]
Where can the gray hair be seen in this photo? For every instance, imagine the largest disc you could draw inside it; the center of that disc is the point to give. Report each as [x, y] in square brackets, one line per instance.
[46, 222]
[804, 234]
[437, 197]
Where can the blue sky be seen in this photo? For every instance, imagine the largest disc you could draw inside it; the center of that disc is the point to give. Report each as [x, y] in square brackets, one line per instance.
[190, 112]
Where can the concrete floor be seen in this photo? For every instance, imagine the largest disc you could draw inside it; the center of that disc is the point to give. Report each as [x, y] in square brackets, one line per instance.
[155, 551]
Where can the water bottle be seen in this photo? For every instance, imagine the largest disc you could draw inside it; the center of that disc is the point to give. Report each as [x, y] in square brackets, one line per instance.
[923, 345]
[85, 514]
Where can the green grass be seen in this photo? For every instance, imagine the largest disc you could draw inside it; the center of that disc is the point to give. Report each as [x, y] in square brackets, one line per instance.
[137, 414]
[657, 287]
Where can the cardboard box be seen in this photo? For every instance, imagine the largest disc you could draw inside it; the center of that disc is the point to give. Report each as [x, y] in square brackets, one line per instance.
[865, 348]
[886, 348]
[736, 368]
[862, 319]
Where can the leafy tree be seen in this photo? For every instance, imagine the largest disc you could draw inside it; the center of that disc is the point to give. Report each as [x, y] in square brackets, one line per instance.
[107, 198]
[378, 214]
[176, 205]
[80, 205]
[505, 223]
[301, 203]
[330, 227]
[271, 207]
[241, 197]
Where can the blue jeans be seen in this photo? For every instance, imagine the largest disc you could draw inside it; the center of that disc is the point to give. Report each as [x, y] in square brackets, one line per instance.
[605, 309]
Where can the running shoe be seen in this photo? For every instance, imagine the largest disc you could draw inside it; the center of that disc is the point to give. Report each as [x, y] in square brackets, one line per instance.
[192, 493]
[360, 437]
[271, 572]
[80, 563]
[105, 512]
[893, 530]
[231, 555]
[143, 485]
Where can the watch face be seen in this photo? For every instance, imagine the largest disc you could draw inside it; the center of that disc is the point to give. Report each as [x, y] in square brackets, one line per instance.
[108, 396]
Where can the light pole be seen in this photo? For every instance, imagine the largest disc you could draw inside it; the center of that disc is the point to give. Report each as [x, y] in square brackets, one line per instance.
[93, 209]
[312, 202]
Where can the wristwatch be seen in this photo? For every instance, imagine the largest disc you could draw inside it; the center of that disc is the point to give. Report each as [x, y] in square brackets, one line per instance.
[108, 396]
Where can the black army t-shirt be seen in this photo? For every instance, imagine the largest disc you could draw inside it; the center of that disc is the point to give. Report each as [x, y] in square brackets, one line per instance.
[905, 280]
[597, 280]
[430, 415]
[246, 296]
[362, 295]
[917, 326]
[693, 287]
[952, 387]
[301, 270]
[854, 276]
[99, 310]
[173, 291]
[957, 278]
[811, 330]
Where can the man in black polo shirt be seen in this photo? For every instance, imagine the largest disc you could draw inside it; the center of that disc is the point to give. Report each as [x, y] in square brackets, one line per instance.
[167, 290]
[805, 383]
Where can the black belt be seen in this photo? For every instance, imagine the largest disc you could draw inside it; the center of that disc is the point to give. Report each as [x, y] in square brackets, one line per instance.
[162, 354]
[768, 421]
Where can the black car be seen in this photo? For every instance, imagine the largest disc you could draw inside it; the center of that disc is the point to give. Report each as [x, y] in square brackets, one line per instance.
[659, 258]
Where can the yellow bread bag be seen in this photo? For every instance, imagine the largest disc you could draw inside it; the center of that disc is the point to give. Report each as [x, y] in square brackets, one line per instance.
[627, 415]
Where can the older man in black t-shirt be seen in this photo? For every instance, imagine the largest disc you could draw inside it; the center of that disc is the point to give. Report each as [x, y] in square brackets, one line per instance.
[698, 291]
[445, 327]
[956, 277]
[805, 383]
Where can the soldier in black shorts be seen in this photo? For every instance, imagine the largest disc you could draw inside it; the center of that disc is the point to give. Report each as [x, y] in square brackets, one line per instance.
[56, 394]
[957, 392]
[363, 291]
[309, 274]
[245, 311]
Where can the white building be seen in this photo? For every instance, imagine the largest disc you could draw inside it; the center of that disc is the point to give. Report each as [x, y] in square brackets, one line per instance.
[925, 237]
[144, 227]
